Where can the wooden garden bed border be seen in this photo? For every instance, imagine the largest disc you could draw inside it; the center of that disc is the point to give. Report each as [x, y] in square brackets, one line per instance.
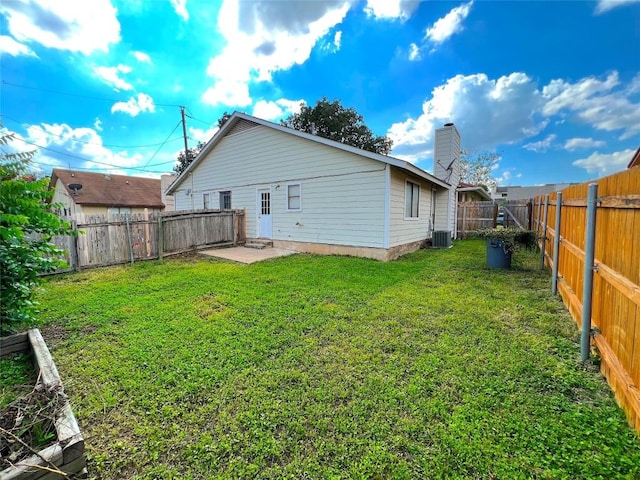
[67, 454]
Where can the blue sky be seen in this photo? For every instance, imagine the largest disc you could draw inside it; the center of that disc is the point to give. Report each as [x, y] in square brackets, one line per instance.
[553, 87]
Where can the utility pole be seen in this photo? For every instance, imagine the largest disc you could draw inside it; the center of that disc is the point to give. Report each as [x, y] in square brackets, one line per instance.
[184, 134]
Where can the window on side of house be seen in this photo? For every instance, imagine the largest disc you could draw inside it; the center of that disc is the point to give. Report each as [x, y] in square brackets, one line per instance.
[118, 210]
[205, 200]
[225, 200]
[411, 200]
[294, 197]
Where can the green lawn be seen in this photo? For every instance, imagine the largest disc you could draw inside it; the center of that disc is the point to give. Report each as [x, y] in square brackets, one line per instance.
[313, 367]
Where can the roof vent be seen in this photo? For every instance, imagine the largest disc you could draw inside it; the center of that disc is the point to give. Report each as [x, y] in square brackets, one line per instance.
[450, 124]
[76, 187]
[107, 177]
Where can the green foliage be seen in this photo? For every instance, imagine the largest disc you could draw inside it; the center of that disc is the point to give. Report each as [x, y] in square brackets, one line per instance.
[16, 374]
[27, 224]
[512, 238]
[333, 121]
[431, 366]
[478, 168]
[185, 160]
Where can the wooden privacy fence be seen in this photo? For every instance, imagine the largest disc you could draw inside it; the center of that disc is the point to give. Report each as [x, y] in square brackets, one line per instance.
[475, 215]
[615, 310]
[114, 239]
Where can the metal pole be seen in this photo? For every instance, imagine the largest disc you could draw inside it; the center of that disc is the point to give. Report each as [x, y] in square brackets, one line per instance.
[544, 231]
[587, 289]
[556, 245]
[126, 218]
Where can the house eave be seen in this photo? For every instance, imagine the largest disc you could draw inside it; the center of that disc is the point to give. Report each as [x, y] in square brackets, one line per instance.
[219, 135]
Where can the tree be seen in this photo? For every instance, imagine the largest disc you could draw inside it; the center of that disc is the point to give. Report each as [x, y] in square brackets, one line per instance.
[477, 168]
[27, 225]
[333, 121]
[223, 119]
[192, 153]
[185, 161]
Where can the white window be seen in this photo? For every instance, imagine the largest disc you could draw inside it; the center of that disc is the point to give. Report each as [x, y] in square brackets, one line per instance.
[411, 200]
[225, 200]
[294, 197]
[205, 200]
[118, 210]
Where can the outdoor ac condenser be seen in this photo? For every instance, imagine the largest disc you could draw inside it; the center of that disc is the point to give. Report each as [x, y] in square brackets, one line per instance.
[441, 239]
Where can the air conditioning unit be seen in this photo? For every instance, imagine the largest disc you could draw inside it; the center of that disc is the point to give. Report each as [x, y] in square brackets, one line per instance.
[441, 239]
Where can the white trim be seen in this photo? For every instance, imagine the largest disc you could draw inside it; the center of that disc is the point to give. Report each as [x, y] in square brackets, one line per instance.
[387, 206]
[286, 197]
[396, 162]
[208, 193]
[412, 181]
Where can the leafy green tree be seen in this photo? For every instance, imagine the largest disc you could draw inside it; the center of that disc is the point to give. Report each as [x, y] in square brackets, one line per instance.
[478, 168]
[185, 160]
[223, 119]
[333, 121]
[27, 225]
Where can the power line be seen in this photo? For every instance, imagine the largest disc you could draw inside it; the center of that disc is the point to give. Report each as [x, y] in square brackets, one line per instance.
[92, 161]
[57, 92]
[163, 144]
[90, 143]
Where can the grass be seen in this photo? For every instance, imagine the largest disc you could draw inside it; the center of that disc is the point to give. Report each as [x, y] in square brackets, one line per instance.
[312, 367]
[16, 378]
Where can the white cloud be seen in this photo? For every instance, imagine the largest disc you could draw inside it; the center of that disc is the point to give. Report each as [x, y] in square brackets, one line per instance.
[9, 46]
[596, 102]
[414, 52]
[487, 112]
[134, 106]
[141, 56]
[542, 145]
[201, 135]
[391, 9]
[65, 25]
[337, 39]
[605, 163]
[276, 110]
[80, 142]
[264, 37]
[98, 124]
[576, 143]
[606, 5]
[449, 25]
[111, 76]
[180, 6]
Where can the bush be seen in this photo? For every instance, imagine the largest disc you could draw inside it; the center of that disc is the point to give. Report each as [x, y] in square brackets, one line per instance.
[27, 224]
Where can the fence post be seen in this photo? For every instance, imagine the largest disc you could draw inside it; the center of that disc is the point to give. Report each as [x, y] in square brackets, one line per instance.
[556, 245]
[544, 230]
[233, 227]
[529, 215]
[126, 218]
[464, 221]
[160, 237]
[75, 256]
[587, 290]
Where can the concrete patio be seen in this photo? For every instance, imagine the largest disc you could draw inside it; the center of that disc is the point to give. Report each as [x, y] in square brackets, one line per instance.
[246, 255]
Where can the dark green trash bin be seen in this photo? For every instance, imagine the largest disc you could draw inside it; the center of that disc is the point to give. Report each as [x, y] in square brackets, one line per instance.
[497, 257]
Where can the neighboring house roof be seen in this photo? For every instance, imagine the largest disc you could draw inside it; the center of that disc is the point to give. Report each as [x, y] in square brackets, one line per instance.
[467, 187]
[108, 190]
[237, 116]
[635, 161]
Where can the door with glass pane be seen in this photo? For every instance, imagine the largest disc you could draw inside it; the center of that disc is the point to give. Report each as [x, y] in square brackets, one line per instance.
[264, 213]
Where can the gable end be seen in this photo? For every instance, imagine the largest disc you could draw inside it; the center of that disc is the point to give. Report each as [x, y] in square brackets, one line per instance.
[240, 126]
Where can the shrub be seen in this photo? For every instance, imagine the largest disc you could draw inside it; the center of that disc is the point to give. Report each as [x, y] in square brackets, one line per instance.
[27, 224]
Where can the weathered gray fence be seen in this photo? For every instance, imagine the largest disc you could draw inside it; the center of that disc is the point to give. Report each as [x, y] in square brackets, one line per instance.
[517, 213]
[114, 239]
[475, 215]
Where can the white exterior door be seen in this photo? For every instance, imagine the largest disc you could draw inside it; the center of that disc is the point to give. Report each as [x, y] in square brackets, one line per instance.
[264, 213]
